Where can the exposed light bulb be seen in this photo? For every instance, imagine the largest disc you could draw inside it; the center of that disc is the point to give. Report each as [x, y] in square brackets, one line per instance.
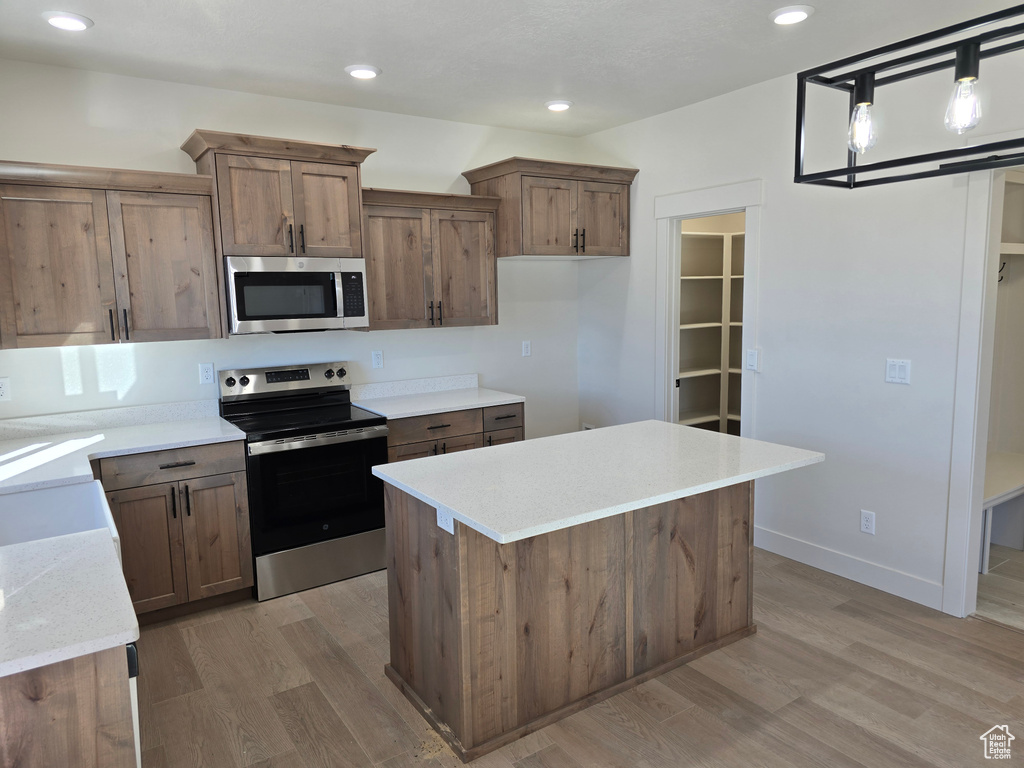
[964, 110]
[862, 130]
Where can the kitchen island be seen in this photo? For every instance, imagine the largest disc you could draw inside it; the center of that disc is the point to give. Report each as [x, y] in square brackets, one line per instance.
[530, 580]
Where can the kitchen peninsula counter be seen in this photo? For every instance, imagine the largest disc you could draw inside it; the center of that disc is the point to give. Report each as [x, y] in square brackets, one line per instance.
[530, 580]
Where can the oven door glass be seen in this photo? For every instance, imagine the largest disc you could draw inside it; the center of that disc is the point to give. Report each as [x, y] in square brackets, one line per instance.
[285, 295]
[307, 495]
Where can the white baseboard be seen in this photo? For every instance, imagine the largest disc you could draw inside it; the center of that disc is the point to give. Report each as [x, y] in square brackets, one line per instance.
[914, 588]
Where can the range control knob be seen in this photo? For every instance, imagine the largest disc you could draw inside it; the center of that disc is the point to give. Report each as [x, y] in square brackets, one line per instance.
[342, 372]
[229, 381]
[329, 373]
[244, 381]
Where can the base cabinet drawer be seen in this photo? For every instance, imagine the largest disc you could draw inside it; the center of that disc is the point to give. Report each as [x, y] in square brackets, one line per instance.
[416, 429]
[137, 469]
[503, 417]
[412, 451]
[502, 436]
[463, 443]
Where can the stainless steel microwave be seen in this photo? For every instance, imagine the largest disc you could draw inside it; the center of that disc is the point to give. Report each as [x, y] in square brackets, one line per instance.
[277, 294]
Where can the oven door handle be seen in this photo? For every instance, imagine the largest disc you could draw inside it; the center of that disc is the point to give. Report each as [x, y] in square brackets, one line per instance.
[314, 441]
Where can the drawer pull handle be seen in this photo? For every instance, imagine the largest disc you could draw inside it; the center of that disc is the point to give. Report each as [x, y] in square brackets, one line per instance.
[440, 426]
[490, 440]
[177, 464]
[506, 416]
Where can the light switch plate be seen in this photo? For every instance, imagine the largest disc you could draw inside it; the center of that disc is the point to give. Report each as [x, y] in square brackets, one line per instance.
[5, 389]
[377, 356]
[753, 360]
[527, 351]
[897, 371]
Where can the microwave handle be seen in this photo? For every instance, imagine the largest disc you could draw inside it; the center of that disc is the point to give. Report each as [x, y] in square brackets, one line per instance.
[339, 296]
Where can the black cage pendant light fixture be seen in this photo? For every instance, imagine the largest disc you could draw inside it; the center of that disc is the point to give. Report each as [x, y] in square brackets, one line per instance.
[961, 47]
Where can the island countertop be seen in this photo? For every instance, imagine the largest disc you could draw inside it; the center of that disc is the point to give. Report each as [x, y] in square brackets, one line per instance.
[515, 491]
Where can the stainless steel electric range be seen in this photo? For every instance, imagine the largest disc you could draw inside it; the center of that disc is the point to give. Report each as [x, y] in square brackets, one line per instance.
[315, 509]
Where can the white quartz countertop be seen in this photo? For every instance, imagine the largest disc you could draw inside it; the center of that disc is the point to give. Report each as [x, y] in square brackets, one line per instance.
[517, 490]
[60, 598]
[426, 403]
[30, 463]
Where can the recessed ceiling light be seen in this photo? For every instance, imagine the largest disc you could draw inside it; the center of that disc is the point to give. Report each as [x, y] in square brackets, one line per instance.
[791, 14]
[363, 71]
[72, 22]
[558, 106]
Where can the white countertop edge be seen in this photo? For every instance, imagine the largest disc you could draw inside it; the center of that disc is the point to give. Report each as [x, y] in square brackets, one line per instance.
[94, 645]
[587, 517]
[381, 409]
[169, 446]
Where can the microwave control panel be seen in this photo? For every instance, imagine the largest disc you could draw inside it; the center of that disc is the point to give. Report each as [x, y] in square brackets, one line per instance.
[352, 294]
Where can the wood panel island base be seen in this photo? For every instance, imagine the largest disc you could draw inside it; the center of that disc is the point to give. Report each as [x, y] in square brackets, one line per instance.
[496, 634]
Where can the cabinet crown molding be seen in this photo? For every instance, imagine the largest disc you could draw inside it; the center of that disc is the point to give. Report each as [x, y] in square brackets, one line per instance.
[401, 197]
[203, 141]
[552, 168]
[44, 174]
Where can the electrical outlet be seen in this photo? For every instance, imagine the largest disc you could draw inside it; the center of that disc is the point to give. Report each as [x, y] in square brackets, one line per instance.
[867, 522]
[377, 356]
[5, 389]
[206, 375]
[445, 521]
[526, 349]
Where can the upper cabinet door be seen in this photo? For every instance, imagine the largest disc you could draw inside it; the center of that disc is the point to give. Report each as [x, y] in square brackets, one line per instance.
[603, 218]
[164, 265]
[399, 270]
[56, 278]
[549, 215]
[327, 208]
[463, 250]
[256, 213]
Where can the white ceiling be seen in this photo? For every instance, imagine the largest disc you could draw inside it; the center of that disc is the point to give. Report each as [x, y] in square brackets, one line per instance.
[491, 62]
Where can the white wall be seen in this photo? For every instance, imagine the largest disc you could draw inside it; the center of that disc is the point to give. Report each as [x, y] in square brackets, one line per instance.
[846, 279]
[84, 118]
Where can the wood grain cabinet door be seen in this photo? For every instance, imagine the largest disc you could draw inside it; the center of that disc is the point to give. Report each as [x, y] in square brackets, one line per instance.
[399, 268]
[148, 521]
[464, 265]
[549, 216]
[256, 208]
[412, 451]
[502, 436]
[327, 210]
[164, 266]
[603, 218]
[463, 443]
[56, 275]
[218, 552]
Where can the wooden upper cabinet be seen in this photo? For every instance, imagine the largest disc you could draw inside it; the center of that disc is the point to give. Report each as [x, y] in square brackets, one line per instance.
[148, 521]
[164, 266]
[549, 215]
[98, 255]
[256, 213]
[463, 251]
[216, 532]
[430, 259]
[278, 197]
[603, 217]
[399, 266]
[327, 209]
[557, 210]
[56, 277]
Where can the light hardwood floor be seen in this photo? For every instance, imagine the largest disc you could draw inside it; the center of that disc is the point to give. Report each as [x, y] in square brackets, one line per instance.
[838, 675]
[1001, 590]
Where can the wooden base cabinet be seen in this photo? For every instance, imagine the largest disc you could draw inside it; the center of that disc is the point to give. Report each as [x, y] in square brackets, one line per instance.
[491, 642]
[94, 256]
[430, 259]
[419, 436]
[186, 538]
[557, 210]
